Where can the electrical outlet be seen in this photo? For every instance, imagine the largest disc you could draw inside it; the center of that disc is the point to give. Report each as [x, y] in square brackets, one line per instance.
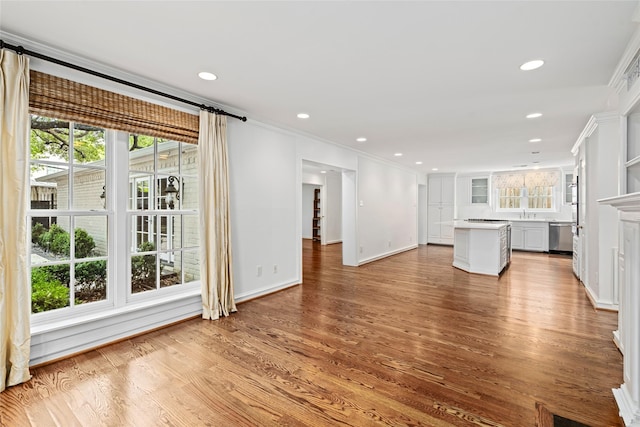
[275, 268]
[259, 271]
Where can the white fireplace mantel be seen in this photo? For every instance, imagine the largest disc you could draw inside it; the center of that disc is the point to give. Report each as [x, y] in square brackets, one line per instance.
[628, 334]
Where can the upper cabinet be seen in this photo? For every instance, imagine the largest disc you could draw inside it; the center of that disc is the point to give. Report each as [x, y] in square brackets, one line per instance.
[441, 189]
[479, 190]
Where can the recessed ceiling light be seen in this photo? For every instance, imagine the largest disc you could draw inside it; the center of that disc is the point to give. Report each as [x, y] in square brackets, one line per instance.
[534, 115]
[434, 169]
[532, 65]
[323, 171]
[418, 163]
[303, 116]
[535, 162]
[361, 139]
[207, 76]
[535, 152]
[398, 154]
[535, 140]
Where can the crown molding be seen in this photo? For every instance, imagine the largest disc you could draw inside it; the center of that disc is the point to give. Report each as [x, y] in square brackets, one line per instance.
[592, 125]
[617, 79]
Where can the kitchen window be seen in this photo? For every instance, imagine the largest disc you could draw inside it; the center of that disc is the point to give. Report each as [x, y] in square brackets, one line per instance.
[527, 191]
[509, 198]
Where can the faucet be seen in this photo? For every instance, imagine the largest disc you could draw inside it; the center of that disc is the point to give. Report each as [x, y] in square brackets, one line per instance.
[523, 215]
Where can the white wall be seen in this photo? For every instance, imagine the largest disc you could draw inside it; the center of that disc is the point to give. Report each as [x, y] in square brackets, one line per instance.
[307, 209]
[263, 208]
[333, 208]
[387, 209]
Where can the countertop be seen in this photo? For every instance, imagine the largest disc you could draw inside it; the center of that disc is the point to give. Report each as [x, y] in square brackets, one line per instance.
[480, 225]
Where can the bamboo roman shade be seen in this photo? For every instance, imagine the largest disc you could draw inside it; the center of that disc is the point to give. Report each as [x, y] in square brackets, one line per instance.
[65, 99]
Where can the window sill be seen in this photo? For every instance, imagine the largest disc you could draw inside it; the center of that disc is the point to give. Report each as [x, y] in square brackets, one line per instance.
[56, 340]
[110, 313]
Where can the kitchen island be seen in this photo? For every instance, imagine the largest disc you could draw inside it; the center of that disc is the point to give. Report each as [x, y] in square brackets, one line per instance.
[481, 247]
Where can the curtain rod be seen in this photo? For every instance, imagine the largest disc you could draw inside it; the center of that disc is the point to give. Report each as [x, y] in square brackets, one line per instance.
[20, 50]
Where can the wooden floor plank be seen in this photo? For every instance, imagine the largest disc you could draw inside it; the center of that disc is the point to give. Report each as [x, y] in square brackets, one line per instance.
[406, 340]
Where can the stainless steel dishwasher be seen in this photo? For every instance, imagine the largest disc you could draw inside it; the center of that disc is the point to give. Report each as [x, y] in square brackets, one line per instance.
[560, 238]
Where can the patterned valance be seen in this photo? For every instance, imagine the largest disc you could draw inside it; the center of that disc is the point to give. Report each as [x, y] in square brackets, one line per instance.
[548, 178]
[529, 179]
[508, 180]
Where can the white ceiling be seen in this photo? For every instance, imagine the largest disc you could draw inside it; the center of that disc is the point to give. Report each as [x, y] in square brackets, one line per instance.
[438, 81]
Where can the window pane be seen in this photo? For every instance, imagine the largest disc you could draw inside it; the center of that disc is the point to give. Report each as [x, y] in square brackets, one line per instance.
[143, 233]
[169, 192]
[168, 157]
[49, 139]
[170, 231]
[143, 273]
[49, 288]
[189, 193]
[50, 242]
[141, 153]
[189, 165]
[191, 231]
[88, 186]
[191, 266]
[88, 144]
[170, 270]
[49, 186]
[90, 236]
[90, 281]
[140, 192]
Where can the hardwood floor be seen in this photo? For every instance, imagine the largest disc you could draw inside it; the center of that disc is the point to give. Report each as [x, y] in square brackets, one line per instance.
[407, 340]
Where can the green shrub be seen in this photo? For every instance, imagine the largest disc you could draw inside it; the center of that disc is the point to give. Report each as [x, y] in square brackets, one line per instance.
[58, 272]
[47, 293]
[55, 240]
[84, 244]
[36, 231]
[91, 281]
[143, 267]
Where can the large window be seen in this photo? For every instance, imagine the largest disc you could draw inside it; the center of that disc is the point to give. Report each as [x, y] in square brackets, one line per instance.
[81, 203]
[528, 198]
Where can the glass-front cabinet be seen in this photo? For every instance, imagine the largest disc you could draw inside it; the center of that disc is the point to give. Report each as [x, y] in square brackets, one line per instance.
[479, 191]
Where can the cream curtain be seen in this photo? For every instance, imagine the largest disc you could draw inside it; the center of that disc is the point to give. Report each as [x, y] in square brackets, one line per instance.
[15, 299]
[215, 240]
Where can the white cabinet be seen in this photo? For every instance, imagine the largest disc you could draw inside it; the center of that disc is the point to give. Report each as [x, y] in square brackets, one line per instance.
[481, 248]
[440, 211]
[530, 236]
[479, 191]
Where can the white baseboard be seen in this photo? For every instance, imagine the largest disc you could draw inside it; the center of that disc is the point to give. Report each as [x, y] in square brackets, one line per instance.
[629, 410]
[333, 242]
[265, 291]
[386, 254]
[599, 305]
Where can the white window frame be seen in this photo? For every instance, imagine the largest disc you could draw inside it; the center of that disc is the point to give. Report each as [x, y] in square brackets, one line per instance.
[119, 299]
[524, 202]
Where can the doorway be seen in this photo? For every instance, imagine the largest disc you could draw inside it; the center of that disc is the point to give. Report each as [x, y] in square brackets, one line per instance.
[328, 202]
